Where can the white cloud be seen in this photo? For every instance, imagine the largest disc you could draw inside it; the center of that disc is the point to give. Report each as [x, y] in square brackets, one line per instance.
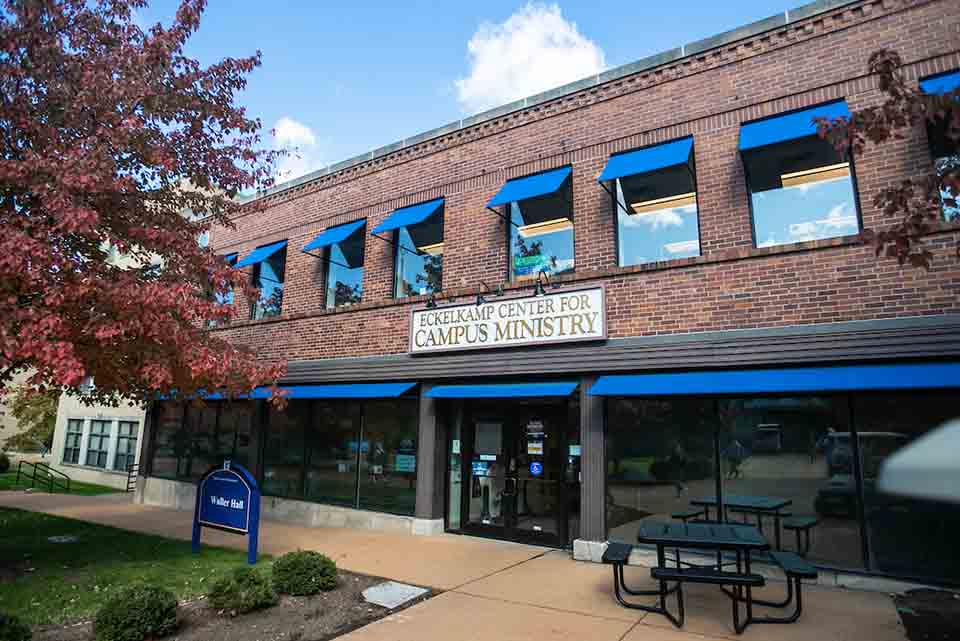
[683, 247]
[840, 218]
[535, 49]
[662, 218]
[304, 150]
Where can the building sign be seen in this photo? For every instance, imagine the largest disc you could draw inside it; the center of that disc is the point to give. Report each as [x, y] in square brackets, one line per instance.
[559, 317]
[228, 499]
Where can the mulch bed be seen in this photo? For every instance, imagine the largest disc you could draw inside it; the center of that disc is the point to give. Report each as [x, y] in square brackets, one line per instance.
[314, 618]
[929, 615]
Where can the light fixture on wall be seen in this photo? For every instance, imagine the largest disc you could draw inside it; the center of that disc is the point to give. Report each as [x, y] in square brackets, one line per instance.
[431, 301]
[538, 288]
[481, 299]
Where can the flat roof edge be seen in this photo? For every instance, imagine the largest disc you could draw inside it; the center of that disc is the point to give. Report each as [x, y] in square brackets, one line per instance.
[695, 48]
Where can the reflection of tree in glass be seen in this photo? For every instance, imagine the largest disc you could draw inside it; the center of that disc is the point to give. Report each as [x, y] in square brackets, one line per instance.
[432, 274]
[345, 294]
[271, 304]
[535, 249]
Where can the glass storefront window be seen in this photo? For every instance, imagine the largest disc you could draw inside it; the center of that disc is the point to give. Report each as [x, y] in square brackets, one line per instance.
[659, 456]
[202, 425]
[284, 448]
[171, 442]
[790, 449]
[332, 453]
[907, 536]
[388, 456]
[235, 432]
[541, 235]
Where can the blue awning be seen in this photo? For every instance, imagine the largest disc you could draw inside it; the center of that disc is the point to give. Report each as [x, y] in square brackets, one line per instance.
[411, 215]
[357, 390]
[768, 381]
[516, 390]
[334, 235]
[798, 124]
[530, 186]
[942, 83]
[260, 254]
[642, 161]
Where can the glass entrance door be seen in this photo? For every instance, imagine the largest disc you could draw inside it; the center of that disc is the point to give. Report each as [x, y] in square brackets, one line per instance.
[515, 459]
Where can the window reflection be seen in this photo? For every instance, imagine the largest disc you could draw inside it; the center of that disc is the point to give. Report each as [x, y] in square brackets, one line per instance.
[345, 270]
[800, 190]
[268, 276]
[652, 226]
[332, 453]
[388, 456]
[284, 448]
[541, 234]
[419, 257]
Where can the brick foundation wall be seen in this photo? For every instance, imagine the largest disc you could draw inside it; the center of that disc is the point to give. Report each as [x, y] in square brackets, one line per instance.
[731, 286]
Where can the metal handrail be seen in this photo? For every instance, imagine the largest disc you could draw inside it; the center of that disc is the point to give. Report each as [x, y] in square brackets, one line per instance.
[45, 474]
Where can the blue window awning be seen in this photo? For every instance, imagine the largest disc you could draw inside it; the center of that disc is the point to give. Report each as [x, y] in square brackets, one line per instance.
[531, 186]
[769, 381]
[405, 216]
[334, 235]
[260, 254]
[357, 390]
[504, 390]
[942, 83]
[798, 124]
[642, 161]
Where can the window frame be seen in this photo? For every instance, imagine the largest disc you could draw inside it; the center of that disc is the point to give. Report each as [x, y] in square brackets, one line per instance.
[398, 247]
[328, 267]
[79, 447]
[256, 306]
[615, 208]
[131, 454]
[848, 158]
[104, 439]
[507, 217]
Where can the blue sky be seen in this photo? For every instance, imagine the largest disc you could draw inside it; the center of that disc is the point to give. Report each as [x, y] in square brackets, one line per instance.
[342, 78]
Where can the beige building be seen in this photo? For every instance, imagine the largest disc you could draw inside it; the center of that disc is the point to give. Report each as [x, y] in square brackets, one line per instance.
[9, 426]
[96, 444]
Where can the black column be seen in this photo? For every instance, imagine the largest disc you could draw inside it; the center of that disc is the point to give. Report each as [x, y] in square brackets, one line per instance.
[593, 482]
[430, 458]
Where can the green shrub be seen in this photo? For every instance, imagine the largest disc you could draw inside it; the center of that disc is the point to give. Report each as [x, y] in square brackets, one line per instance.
[304, 572]
[242, 590]
[136, 613]
[4, 462]
[13, 629]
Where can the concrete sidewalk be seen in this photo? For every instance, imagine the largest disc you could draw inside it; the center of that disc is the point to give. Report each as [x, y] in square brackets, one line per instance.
[496, 591]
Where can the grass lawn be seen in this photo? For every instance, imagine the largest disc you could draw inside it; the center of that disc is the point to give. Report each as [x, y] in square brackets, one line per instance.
[8, 482]
[46, 582]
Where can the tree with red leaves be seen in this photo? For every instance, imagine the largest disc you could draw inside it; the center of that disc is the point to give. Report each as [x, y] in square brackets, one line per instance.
[114, 143]
[922, 204]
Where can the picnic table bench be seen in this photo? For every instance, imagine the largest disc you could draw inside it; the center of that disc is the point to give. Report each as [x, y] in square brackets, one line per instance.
[761, 506]
[740, 540]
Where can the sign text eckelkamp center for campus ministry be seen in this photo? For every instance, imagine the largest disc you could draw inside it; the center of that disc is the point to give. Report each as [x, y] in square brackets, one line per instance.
[564, 316]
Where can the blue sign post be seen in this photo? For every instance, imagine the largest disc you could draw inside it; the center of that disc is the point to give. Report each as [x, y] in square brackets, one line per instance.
[228, 499]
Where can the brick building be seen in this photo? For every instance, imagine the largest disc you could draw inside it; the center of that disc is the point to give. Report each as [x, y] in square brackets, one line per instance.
[663, 261]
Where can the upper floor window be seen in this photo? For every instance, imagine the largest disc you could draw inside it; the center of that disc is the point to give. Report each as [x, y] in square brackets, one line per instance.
[269, 264]
[71, 445]
[944, 149]
[342, 248]
[801, 188]
[418, 242]
[540, 211]
[655, 192]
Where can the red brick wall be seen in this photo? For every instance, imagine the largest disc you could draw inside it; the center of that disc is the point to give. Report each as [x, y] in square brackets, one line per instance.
[732, 285]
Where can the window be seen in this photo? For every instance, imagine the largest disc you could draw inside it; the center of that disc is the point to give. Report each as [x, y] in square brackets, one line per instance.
[204, 445]
[126, 453]
[419, 257]
[71, 447]
[656, 207]
[171, 442]
[944, 149]
[541, 233]
[98, 441]
[268, 278]
[359, 454]
[800, 187]
[345, 269]
[224, 298]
